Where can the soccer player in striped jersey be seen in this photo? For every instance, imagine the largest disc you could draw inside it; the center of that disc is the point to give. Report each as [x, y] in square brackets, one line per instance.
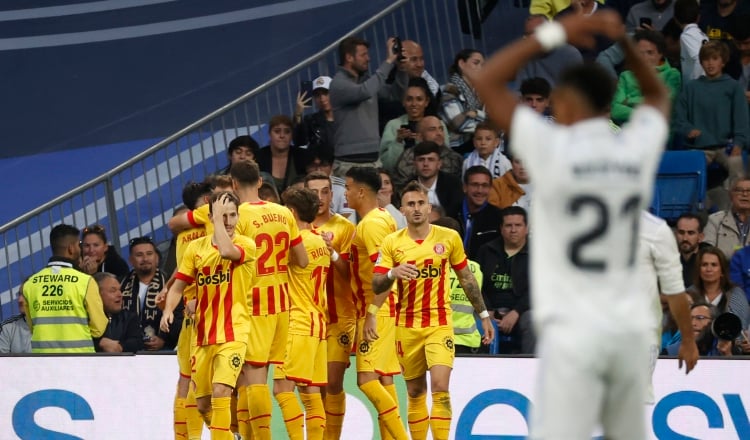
[279, 244]
[376, 360]
[305, 364]
[222, 267]
[342, 317]
[199, 216]
[420, 257]
[187, 420]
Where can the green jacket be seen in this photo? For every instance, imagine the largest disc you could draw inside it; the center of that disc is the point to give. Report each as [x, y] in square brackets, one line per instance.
[628, 93]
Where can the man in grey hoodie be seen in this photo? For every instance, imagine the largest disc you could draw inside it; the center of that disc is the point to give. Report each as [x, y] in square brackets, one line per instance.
[354, 96]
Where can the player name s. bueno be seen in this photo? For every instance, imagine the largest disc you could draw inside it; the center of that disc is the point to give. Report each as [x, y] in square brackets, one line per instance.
[271, 218]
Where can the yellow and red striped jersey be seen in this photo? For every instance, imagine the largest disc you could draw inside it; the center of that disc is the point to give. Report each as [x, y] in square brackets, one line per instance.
[307, 314]
[274, 231]
[200, 217]
[221, 288]
[424, 301]
[183, 239]
[340, 300]
[369, 234]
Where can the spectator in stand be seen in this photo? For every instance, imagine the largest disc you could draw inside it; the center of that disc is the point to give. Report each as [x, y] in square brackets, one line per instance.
[315, 130]
[240, 148]
[98, 255]
[649, 15]
[15, 335]
[549, 8]
[414, 63]
[712, 112]
[467, 338]
[444, 189]
[401, 133]
[535, 93]
[741, 33]
[505, 268]
[628, 94]
[672, 32]
[388, 199]
[689, 235]
[123, 332]
[512, 188]
[686, 14]
[717, 17]
[140, 289]
[478, 219]
[280, 159]
[488, 151]
[714, 286]
[739, 270]
[460, 107]
[429, 129]
[354, 97]
[550, 64]
[729, 230]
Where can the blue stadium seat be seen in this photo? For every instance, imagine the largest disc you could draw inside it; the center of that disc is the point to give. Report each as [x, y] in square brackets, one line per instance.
[680, 184]
[502, 344]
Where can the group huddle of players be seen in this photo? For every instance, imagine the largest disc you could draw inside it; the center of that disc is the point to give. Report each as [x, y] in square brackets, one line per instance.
[292, 286]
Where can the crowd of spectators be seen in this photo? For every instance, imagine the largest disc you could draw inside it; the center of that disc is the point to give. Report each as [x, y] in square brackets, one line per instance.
[398, 119]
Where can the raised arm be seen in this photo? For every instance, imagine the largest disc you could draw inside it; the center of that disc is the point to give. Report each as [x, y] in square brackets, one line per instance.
[224, 207]
[501, 68]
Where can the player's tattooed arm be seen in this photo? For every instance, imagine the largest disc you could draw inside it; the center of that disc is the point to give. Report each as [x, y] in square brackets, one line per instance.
[471, 289]
[381, 283]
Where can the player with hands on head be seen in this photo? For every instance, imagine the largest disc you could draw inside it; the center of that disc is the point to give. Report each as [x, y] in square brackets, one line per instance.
[222, 265]
[419, 258]
[590, 186]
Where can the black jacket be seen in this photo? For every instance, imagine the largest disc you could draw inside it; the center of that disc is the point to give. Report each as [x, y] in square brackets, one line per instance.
[449, 191]
[485, 226]
[316, 132]
[295, 167]
[490, 254]
[125, 328]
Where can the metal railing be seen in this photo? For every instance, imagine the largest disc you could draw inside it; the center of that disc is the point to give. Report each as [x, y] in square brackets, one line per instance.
[137, 198]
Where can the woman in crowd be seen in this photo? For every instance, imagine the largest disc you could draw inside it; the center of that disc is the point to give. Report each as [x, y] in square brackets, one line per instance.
[98, 256]
[401, 133]
[388, 199]
[460, 107]
[712, 285]
[284, 162]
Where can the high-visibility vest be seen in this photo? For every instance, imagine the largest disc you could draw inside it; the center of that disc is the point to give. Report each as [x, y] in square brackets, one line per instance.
[464, 324]
[56, 305]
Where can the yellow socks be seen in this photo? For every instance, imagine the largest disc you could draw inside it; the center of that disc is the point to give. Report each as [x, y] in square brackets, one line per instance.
[221, 418]
[259, 405]
[193, 417]
[315, 416]
[386, 407]
[440, 419]
[335, 405]
[294, 418]
[419, 418]
[180, 426]
[243, 416]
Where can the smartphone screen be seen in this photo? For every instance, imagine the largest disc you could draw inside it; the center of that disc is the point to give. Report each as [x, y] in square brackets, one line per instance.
[307, 88]
[645, 20]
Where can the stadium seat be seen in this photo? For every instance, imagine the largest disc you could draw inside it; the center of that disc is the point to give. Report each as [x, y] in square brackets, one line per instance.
[680, 184]
[502, 344]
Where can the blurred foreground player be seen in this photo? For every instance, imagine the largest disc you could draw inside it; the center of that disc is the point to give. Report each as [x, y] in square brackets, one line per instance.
[590, 187]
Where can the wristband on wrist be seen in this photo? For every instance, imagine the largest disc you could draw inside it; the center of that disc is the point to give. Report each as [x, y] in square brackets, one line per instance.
[551, 35]
[390, 275]
[484, 314]
[373, 309]
[335, 256]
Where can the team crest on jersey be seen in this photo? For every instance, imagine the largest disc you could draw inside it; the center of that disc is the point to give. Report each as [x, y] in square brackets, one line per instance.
[364, 347]
[344, 340]
[235, 361]
[448, 343]
[439, 249]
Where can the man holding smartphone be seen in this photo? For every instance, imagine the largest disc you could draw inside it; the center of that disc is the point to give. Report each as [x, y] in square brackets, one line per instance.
[649, 14]
[315, 130]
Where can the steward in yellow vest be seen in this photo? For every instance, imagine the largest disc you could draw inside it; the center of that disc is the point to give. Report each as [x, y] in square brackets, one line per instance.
[64, 307]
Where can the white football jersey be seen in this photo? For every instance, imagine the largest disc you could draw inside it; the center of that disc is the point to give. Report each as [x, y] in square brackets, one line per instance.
[590, 186]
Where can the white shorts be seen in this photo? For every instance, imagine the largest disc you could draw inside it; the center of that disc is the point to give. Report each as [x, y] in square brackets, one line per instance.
[589, 378]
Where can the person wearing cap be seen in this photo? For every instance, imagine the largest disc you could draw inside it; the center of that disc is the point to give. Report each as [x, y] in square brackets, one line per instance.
[315, 130]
